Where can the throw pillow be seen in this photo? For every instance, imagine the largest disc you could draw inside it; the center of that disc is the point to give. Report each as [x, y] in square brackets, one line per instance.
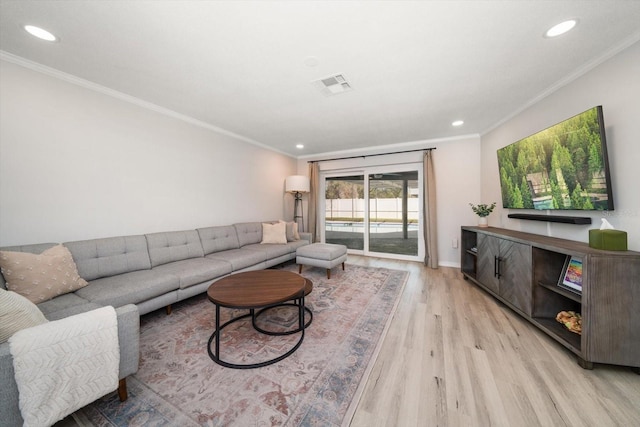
[274, 233]
[41, 277]
[17, 313]
[292, 231]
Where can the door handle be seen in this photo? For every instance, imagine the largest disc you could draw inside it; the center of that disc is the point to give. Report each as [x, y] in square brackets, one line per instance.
[498, 272]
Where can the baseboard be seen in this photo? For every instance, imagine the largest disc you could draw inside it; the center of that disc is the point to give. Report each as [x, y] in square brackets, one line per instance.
[449, 264]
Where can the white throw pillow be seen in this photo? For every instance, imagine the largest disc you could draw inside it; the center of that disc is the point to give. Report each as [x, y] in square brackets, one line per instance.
[17, 313]
[274, 233]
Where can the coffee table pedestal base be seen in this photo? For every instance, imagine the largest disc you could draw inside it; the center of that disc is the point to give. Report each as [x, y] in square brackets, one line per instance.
[215, 337]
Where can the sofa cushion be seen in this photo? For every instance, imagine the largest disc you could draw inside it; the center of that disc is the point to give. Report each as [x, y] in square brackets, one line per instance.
[110, 256]
[17, 313]
[43, 276]
[240, 258]
[271, 251]
[195, 270]
[129, 288]
[274, 233]
[216, 239]
[173, 246]
[68, 303]
[71, 311]
[248, 233]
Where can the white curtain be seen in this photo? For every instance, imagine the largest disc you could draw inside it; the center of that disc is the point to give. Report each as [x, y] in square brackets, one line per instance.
[314, 180]
[429, 207]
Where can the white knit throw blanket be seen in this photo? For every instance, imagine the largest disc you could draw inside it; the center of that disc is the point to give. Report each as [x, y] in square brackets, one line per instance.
[63, 365]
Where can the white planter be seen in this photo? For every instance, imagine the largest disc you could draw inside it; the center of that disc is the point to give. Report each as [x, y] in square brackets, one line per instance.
[483, 221]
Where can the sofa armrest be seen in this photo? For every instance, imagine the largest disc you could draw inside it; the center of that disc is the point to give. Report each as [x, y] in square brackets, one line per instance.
[129, 339]
[9, 390]
[305, 236]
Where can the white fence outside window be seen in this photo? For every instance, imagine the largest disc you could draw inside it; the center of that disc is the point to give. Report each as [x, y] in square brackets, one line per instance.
[378, 208]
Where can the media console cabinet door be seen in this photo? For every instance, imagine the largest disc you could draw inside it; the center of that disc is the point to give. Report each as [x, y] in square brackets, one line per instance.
[488, 253]
[505, 267]
[516, 274]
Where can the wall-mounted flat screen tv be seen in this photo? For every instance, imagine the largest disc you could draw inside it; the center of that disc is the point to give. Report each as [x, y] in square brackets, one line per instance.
[562, 167]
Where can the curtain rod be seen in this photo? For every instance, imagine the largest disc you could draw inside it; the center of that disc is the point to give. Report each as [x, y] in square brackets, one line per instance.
[371, 155]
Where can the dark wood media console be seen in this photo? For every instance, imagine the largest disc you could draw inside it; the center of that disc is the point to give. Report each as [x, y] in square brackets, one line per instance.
[523, 270]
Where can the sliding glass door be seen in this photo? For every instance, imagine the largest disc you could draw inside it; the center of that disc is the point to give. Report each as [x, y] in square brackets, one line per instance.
[375, 212]
[344, 211]
[394, 213]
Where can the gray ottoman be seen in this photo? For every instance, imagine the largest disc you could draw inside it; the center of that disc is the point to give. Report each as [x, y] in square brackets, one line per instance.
[324, 255]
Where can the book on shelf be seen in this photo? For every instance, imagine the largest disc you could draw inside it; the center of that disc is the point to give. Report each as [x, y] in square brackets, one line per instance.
[571, 277]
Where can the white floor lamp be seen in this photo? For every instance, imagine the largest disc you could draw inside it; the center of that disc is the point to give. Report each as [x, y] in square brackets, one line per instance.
[297, 184]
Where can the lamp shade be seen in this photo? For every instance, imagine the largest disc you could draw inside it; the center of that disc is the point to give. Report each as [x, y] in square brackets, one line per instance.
[296, 184]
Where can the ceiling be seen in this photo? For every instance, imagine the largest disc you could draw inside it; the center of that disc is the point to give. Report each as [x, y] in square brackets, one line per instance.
[247, 67]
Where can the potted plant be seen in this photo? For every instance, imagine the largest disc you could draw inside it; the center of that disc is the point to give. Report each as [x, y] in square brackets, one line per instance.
[483, 212]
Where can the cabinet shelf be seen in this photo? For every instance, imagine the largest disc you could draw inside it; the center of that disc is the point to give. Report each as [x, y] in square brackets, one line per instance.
[560, 333]
[469, 257]
[470, 275]
[564, 292]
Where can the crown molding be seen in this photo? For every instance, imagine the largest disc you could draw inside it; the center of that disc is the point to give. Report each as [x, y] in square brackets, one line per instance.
[70, 78]
[381, 149]
[584, 69]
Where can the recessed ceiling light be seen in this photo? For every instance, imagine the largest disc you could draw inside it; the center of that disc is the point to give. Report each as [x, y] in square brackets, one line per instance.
[457, 123]
[40, 33]
[299, 146]
[561, 28]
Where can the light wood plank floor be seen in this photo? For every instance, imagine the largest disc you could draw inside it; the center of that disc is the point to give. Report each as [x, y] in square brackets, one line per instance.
[454, 356]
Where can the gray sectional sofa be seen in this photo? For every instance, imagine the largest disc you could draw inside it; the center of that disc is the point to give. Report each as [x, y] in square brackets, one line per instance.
[140, 274]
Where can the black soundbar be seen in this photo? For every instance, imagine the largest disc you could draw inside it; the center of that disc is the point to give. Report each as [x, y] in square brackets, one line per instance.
[553, 218]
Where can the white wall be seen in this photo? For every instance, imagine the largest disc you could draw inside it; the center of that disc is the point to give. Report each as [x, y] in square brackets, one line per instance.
[614, 84]
[457, 169]
[78, 164]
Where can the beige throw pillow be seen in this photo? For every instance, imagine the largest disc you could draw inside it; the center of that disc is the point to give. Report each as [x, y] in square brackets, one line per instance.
[274, 233]
[292, 231]
[17, 313]
[41, 277]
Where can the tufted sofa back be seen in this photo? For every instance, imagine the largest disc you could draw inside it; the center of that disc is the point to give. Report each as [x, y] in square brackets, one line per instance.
[249, 232]
[173, 246]
[216, 239]
[106, 257]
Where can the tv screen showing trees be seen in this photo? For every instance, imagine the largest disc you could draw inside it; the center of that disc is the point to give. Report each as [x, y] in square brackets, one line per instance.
[562, 167]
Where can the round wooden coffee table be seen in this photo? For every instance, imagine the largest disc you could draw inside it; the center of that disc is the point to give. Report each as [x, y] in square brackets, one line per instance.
[255, 290]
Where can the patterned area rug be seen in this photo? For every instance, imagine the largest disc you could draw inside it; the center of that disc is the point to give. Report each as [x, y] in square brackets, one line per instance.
[179, 385]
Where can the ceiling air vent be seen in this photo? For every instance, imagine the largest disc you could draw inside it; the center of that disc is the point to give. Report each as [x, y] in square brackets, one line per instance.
[333, 85]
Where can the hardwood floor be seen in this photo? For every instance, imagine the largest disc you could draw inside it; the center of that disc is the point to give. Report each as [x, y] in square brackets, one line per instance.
[454, 356]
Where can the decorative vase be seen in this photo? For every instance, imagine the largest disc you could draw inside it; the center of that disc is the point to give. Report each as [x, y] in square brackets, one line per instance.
[483, 222]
